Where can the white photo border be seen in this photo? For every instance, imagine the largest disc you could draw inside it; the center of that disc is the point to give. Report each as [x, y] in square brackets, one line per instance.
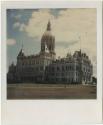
[48, 112]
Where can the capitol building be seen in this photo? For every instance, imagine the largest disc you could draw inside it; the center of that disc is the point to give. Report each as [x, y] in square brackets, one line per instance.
[44, 67]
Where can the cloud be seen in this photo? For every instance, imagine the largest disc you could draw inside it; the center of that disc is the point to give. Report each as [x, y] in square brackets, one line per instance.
[16, 25]
[67, 26]
[17, 16]
[22, 27]
[11, 42]
[61, 51]
[67, 44]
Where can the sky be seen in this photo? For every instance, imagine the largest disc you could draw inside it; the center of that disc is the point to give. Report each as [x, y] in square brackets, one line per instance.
[73, 28]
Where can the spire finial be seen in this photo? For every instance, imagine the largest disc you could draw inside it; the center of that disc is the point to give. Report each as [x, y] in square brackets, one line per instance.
[80, 42]
[22, 46]
[49, 26]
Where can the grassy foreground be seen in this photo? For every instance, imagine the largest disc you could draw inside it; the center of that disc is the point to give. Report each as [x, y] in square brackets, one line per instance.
[50, 91]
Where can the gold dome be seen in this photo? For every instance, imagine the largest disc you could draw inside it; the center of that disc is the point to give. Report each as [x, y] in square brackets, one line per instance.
[47, 34]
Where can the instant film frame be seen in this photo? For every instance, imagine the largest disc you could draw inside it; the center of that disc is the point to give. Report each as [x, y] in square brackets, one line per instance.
[24, 112]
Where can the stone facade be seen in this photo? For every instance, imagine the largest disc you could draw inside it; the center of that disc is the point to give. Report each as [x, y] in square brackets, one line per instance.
[73, 69]
[45, 68]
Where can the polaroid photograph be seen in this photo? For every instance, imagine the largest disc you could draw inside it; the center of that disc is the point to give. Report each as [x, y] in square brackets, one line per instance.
[51, 62]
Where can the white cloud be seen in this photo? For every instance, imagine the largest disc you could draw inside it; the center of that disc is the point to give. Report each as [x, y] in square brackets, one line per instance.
[22, 27]
[61, 51]
[16, 25]
[11, 42]
[17, 16]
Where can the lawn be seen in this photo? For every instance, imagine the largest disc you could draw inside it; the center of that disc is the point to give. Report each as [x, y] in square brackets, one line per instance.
[50, 91]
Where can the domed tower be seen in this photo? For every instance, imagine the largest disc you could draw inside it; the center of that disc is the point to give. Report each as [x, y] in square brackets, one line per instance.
[48, 40]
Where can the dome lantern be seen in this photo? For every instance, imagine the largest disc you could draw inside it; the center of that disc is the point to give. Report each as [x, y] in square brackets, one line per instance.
[48, 26]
